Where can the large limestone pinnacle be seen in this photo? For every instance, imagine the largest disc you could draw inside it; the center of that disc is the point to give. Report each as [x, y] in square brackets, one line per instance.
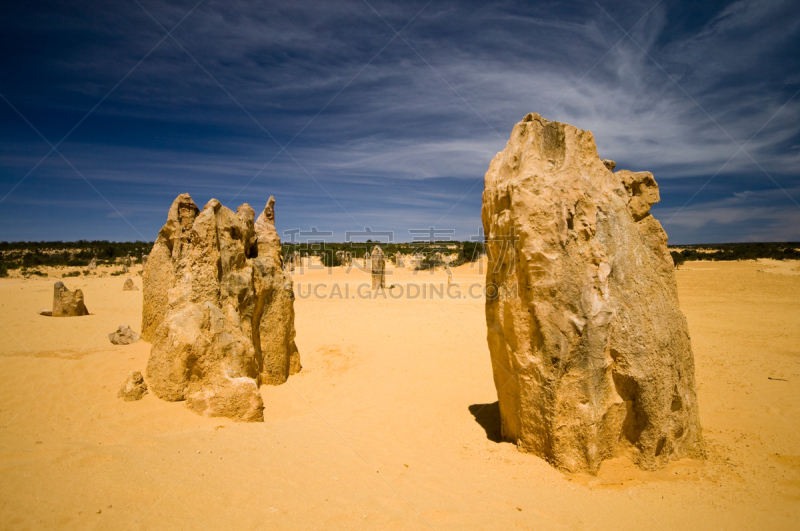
[218, 309]
[590, 352]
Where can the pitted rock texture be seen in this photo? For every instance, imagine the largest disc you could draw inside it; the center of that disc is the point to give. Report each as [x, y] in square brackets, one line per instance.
[218, 310]
[590, 352]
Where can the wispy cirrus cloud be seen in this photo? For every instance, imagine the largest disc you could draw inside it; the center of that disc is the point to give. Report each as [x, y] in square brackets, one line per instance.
[402, 134]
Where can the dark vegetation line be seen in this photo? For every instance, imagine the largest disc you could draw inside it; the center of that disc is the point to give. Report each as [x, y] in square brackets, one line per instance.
[30, 255]
[27, 256]
[468, 251]
[736, 251]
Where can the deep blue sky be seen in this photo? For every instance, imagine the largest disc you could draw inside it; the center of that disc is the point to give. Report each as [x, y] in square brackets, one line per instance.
[386, 131]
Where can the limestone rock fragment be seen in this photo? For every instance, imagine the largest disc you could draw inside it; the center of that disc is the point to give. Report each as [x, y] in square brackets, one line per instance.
[129, 286]
[590, 352]
[144, 261]
[642, 192]
[610, 164]
[378, 268]
[123, 336]
[93, 263]
[134, 387]
[219, 309]
[67, 303]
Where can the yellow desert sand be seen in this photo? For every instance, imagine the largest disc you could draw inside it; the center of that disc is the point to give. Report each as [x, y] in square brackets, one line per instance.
[391, 424]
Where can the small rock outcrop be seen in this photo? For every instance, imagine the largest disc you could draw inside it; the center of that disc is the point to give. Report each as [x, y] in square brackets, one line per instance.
[398, 260]
[144, 261]
[67, 303]
[129, 286]
[134, 387]
[123, 336]
[218, 309]
[378, 268]
[449, 274]
[590, 352]
[93, 263]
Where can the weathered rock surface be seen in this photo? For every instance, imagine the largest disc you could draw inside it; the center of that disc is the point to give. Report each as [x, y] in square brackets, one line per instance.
[67, 303]
[590, 351]
[93, 263]
[129, 286]
[160, 274]
[134, 387]
[275, 303]
[219, 309]
[123, 336]
[378, 268]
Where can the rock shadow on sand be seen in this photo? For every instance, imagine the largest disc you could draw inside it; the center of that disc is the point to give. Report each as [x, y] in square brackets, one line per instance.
[488, 416]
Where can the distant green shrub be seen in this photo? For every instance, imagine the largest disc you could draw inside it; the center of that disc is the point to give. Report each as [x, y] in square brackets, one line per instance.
[429, 262]
[737, 251]
[678, 258]
[329, 258]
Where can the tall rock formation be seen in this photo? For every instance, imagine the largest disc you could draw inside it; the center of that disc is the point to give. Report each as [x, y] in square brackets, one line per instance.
[590, 351]
[378, 261]
[159, 275]
[275, 303]
[218, 309]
